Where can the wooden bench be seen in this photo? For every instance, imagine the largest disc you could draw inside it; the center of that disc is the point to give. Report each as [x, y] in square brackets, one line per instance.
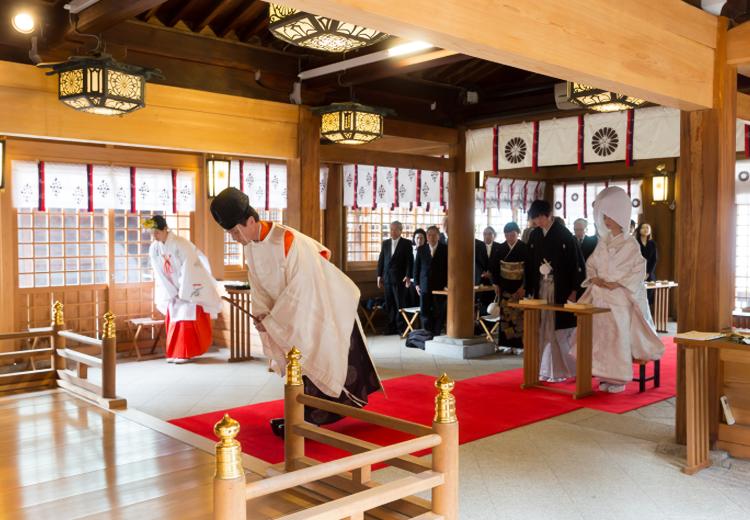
[139, 323]
[405, 312]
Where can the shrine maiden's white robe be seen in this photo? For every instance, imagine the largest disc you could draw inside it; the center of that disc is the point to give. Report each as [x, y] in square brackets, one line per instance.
[627, 332]
[182, 280]
[310, 304]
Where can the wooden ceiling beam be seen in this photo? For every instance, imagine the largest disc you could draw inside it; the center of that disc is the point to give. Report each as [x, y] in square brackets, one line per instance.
[387, 69]
[396, 128]
[180, 13]
[248, 14]
[342, 153]
[107, 13]
[171, 43]
[215, 12]
[663, 52]
[738, 45]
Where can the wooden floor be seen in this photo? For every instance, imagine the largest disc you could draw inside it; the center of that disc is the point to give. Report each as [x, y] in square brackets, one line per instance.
[63, 458]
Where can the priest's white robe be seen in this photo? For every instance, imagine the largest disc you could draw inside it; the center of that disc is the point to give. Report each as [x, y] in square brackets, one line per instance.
[627, 332]
[309, 304]
[182, 279]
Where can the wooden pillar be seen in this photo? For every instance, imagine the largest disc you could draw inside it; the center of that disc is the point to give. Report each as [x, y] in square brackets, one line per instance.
[335, 225]
[706, 214]
[461, 245]
[303, 177]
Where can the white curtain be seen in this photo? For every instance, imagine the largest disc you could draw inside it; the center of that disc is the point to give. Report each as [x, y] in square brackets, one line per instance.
[407, 189]
[605, 137]
[185, 191]
[479, 150]
[348, 172]
[365, 179]
[558, 141]
[430, 187]
[323, 186]
[515, 144]
[153, 190]
[277, 186]
[656, 133]
[385, 190]
[25, 184]
[112, 187]
[255, 183]
[65, 186]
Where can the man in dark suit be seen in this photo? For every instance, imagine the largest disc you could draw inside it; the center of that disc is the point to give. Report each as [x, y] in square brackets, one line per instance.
[586, 243]
[485, 262]
[394, 269]
[430, 274]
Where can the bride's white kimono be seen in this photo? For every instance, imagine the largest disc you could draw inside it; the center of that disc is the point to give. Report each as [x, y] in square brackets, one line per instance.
[627, 332]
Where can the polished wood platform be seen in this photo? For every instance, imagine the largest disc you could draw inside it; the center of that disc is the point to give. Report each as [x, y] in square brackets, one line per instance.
[61, 457]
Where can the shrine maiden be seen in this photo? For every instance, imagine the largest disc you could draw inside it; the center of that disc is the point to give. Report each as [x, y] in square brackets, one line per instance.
[301, 300]
[615, 272]
[184, 291]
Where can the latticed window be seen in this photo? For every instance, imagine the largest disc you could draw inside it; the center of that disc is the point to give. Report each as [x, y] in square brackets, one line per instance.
[497, 218]
[61, 248]
[131, 244]
[367, 228]
[233, 253]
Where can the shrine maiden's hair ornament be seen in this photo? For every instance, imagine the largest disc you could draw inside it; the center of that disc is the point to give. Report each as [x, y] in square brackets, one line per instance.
[155, 222]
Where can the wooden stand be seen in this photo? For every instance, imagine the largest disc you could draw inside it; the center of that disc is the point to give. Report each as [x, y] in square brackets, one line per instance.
[532, 351]
[240, 324]
[661, 303]
[139, 323]
[697, 401]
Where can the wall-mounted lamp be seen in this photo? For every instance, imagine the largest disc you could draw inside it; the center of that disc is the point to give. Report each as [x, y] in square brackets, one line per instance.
[217, 173]
[24, 22]
[660, 184]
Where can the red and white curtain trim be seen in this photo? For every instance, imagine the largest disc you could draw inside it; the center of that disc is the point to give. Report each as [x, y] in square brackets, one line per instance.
[510, 194]
[644, 133]
[49, 185]
[265, 183]
[574, 200]
[372, 186]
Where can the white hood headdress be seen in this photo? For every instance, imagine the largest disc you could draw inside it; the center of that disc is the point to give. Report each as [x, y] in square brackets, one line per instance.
[615, 203]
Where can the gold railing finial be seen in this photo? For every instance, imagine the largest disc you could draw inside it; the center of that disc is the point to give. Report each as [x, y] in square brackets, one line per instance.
[57, 314]
[228, 449]
[110, 331]
[445, 402]
[293, 367]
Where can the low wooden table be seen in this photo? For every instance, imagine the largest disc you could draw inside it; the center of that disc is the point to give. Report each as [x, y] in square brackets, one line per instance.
[532, 354]
[139, 323]
[477, 289]
[661, 302]
[697, 394]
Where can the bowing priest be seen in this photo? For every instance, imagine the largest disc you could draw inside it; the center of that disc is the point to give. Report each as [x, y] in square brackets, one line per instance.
[614, 280]
[184, 292]
[301, 300]
[554, 272]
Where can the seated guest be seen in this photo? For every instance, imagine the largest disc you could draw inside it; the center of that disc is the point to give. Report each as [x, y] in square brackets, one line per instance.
[430, 274]
[614, 279]
[554, 272]
[649, 252]
[394, 269]
[485, 258]
[586, 243]
[419, 238]
[508, 279]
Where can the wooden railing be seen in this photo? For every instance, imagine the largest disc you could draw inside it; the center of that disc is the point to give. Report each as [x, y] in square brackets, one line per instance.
[346, 482]
[74, 381]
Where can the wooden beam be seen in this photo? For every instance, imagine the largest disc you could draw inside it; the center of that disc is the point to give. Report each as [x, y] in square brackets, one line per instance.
[743, 106]
[303, 181]
[335, 216]
[658, 51]
[180, 13]
[347, 154]
[389, 68]
[396, 128]
[108, 13]
[250, 13]
[172, 43]
[738, 45]
[214, 13]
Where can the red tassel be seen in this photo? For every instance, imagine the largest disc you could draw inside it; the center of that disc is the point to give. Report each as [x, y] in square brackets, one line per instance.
[133, 205]
[525, 194]
[90, 185]
[580, 142]
[174, 191]
[42, 205]
[442, 189]
[419, 187]
[242, 175]
[484, 201]
[375, 187]
[747, 140]
[356, 181]
[495, 146]
[535, 148]
[511, 194]
[629, 139]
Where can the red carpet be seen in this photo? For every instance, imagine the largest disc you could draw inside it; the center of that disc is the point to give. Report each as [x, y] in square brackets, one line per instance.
[486, 405]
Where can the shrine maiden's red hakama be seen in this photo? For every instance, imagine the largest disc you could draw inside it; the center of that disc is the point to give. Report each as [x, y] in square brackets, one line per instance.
[188, 339]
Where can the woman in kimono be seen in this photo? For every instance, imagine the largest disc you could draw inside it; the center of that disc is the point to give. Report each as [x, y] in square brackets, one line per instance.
[614, 279]
[507, 275]
[184, 292]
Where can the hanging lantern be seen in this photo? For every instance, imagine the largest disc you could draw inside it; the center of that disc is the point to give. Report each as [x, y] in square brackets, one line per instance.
[319, 32]
[350, 123]
[217, 171]
[600, 100]
[100, 85]
[660, 184]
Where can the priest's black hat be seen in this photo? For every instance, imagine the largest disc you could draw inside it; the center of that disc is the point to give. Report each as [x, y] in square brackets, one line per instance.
[231, 207]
